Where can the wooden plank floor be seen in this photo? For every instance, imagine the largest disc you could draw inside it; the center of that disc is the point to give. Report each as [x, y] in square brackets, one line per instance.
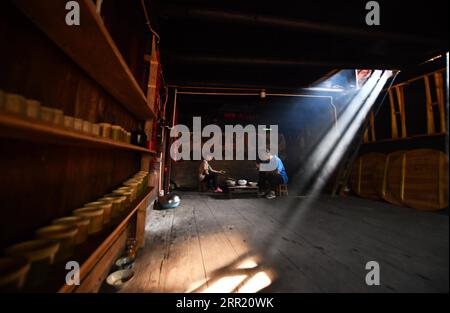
[210, 244]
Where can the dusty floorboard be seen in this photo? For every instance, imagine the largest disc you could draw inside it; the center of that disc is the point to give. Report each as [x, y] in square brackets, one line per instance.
[210, 244]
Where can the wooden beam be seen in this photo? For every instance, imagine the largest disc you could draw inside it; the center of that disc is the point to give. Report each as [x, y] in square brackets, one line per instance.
[429, 103]
[401, 107]
[439, 82]
[372, 127]
[91, 46]
[394, 127]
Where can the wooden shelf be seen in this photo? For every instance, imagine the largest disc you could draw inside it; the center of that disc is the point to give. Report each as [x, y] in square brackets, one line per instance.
[91, 252]
[107, 240]
[91, 46]
[17, 127]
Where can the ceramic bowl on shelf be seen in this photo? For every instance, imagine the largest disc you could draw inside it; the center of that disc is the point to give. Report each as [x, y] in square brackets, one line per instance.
[253, 184]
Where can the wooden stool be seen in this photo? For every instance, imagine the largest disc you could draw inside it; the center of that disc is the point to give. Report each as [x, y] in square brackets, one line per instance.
[202, 186]
[282, 190]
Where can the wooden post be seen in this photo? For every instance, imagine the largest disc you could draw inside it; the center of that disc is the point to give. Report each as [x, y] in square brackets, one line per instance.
[372, 126]
[366, 136]
[394, 128]
[152, 98]
[429, 103]
[401, 106]
[439, 82]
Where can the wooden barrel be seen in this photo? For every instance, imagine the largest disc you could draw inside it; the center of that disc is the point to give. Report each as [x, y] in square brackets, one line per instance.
[426, 179]
[367, 175]
[392, 188]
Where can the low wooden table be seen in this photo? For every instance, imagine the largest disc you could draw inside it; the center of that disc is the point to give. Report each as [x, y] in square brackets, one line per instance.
[242, 189]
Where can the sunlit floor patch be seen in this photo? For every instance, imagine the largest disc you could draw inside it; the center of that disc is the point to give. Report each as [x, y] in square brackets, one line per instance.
[244, 278]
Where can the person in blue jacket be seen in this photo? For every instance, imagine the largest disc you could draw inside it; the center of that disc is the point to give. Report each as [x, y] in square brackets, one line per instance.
[271, 174]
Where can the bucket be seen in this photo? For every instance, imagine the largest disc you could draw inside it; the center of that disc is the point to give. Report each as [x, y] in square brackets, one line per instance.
[47, 114]
[69, 122]
[13, 273]
[106, 206]
[120, 202]
[115, 132]
[40, 253]
[134, 187]
[135, 183]
[87, 127]
[81, 223]
[65, 234]
[78, 124]
[128, 189]
[33, 109]
[95, 216]
[116, 205]
[105, 130]
[14, 104]
[95, 129]
[58, 117]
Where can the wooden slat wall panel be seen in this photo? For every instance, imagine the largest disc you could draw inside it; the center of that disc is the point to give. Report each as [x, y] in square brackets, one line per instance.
[33, 66]
[40, 182]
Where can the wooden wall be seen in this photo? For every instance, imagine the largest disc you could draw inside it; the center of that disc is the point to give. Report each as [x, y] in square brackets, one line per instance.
[39, 182]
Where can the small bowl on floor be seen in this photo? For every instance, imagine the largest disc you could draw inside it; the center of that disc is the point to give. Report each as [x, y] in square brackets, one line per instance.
[124, 263]
[119, 279]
